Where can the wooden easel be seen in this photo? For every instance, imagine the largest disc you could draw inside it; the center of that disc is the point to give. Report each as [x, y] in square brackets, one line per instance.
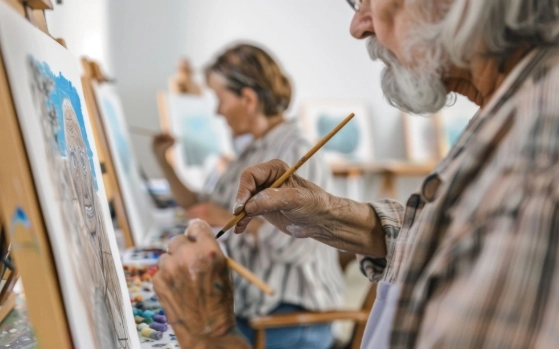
[165, 122]
[93, 74]
[7, 296]
[21, 212]
[182, 83]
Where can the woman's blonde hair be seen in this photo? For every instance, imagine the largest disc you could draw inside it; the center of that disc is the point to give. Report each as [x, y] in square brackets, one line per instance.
[245, 65]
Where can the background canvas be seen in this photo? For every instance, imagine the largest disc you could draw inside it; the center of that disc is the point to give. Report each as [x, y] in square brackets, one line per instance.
[202, 137]
[137, 202]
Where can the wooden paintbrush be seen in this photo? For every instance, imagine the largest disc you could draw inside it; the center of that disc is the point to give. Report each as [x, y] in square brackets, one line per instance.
[250, 277]
[290, 171]
[142, 131]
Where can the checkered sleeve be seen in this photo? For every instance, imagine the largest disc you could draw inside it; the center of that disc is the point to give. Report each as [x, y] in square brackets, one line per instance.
[390, 214]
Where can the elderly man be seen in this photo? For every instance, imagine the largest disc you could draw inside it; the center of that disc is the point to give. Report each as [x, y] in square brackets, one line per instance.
[472, 259]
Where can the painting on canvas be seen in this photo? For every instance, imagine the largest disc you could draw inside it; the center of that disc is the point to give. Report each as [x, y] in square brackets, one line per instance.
[203, 137]
[429, 138]
[45, 84]
[454, 120]
[353, 143]
[137, 200]
[422, 137]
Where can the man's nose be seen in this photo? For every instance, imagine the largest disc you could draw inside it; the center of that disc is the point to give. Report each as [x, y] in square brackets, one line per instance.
[362, 24]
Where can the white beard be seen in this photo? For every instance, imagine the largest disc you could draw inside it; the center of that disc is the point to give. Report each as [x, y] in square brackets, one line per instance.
[419, 90]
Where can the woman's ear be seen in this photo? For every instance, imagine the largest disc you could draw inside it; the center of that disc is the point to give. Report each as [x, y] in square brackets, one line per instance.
[249, 98]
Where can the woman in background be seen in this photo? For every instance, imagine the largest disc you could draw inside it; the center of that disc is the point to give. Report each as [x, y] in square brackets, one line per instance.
[253, 94]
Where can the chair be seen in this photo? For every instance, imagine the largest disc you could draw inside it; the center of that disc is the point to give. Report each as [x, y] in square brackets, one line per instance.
[261, 324]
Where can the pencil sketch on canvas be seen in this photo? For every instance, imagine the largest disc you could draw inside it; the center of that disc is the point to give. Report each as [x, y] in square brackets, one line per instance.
[70, 158]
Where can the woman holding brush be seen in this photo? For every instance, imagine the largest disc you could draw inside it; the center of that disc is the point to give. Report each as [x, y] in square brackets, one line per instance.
[253, 94]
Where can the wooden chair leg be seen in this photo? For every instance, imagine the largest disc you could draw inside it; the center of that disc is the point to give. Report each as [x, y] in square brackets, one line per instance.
[260, 339]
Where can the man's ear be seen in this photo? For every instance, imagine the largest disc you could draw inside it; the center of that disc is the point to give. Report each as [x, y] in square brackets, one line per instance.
[249, 98]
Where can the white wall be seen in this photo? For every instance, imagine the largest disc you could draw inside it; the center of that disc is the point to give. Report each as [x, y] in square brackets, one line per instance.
[146, 39]
[84, 27]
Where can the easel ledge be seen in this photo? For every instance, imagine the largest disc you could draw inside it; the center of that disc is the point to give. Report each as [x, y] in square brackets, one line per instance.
[19, 195]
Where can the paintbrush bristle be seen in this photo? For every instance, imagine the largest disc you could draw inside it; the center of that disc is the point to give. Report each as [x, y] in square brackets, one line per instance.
[221, 232]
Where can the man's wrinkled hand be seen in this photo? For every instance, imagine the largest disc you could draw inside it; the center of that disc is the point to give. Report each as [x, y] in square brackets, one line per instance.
[194, 286]
[298, 208]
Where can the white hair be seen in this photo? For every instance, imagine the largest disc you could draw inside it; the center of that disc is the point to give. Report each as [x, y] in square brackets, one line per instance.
[451, 32]
[502, 26]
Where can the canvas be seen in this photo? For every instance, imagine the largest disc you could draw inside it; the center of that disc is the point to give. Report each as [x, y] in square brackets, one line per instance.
[45, 84]
[454, 120]
[202, 137]
[353, 143]
[137, 201]
[422, 137]
[429, 138]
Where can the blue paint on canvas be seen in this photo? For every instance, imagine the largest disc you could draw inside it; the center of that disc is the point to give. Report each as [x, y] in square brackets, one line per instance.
[63, 89]
[199, 139]
[345, 141]
[454, 129]
[124, 153]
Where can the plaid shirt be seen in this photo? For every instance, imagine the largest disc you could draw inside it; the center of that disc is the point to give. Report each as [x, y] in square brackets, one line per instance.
[476, 250]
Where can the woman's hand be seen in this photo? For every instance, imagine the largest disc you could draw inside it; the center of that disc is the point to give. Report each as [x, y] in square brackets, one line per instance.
[160, 143]
[194, 287]
[302, 209]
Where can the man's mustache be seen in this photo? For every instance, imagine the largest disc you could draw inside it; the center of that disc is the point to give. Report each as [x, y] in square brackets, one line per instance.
[378, 52]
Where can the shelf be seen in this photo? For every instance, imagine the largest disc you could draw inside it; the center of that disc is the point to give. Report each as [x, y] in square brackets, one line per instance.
[397, 168]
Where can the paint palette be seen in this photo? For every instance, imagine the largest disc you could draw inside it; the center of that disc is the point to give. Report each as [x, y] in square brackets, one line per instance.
[151, 322]
[141, 256]
[163, 235]
[16, 331]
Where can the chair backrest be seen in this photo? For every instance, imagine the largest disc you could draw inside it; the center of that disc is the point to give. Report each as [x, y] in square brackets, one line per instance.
[358, 316]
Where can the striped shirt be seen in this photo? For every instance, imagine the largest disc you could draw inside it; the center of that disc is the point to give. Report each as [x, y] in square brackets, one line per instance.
[475, 252]
[302, 271]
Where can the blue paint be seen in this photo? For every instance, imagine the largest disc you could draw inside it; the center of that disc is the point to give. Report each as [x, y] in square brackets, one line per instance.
[148, 313]
[199, 138]
[63, 89]
[346, 141]
[19, 217]
[124, 153]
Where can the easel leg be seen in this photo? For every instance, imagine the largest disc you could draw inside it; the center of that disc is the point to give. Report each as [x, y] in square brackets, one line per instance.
[7, 306]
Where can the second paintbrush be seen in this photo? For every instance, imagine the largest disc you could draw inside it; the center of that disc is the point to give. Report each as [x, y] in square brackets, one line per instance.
[290, 171]
[143, 131]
